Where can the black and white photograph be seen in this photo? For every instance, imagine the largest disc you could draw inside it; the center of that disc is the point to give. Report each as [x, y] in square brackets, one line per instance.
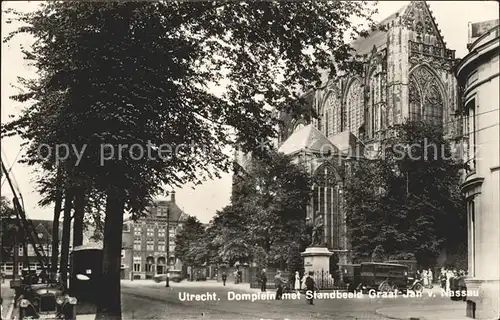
[250, 160]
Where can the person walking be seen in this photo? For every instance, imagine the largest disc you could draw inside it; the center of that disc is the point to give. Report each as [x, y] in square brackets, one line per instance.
[224, 278]
[310, 286]
[449, 277]
[442, 278]
[263, 280]
[425, 278]
[279, 282]
[431, 278]
[297, 282]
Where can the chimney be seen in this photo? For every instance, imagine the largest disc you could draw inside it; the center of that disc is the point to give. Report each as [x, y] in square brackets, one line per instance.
[172, 197]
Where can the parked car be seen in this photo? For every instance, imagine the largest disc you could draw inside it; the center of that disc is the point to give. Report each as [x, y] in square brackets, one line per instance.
[175, 276]
[46, 301]
[381, 277]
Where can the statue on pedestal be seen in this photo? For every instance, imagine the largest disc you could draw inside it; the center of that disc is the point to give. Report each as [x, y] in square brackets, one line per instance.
[316, 230]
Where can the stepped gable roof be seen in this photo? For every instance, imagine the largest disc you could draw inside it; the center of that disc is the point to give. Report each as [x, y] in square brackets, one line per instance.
[307, 139]
[377, 38]
[347, 143]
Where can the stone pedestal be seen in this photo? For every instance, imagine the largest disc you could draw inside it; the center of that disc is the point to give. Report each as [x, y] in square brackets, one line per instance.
[316, 259]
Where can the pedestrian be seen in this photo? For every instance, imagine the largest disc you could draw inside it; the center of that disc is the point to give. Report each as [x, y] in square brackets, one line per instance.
[235, 274]
[263, 280]
[442, 278]
[431, 278]
[224, 278]
[279, 282]
[449, 277]
[461, 285]
[310, 286]
[425, 278]
[297, 281]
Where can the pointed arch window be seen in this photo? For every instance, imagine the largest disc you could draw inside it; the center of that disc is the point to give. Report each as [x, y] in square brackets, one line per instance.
[325, 176]
[325, 203]
[354, 107]
[333, 105]
[425, 96]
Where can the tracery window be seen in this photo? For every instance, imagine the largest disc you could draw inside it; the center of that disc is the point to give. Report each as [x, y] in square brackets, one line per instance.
[354, 107]
[333, 104]
[373, 105]
[425, 97]
[324, 203]
[415, 100]
[325, 176]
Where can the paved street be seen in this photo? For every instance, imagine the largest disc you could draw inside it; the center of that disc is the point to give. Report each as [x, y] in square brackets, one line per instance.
[148, 300]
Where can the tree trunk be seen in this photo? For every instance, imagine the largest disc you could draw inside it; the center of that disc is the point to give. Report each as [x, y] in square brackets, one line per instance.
[68, 204]
[110, 301]
[78, 217]
[55, 231]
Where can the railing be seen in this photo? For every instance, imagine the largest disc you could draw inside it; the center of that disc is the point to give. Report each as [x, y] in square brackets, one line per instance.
[430, 50]
[322, 279]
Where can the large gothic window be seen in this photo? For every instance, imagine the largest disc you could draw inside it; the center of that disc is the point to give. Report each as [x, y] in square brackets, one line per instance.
[373, 105]
[354, 107]
[325, 176]
[333, 105]
[415, 100]
[325, 202]
[425, 97]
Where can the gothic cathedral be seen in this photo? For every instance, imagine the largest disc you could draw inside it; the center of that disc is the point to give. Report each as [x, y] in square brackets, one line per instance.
[408, 74]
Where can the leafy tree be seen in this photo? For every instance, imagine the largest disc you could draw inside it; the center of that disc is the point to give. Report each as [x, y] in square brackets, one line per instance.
[378, 254]
[229, 238]
[189, 246]
[7, 216]
[126, 73]
[406, 201]
[265, 222]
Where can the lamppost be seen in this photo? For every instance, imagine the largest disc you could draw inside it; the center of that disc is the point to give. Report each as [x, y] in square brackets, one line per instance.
[167, 283]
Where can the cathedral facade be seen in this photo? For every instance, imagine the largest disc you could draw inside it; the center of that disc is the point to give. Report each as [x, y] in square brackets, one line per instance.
[408, 74]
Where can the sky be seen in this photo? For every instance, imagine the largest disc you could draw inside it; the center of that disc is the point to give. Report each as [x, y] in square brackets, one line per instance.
[203, 201]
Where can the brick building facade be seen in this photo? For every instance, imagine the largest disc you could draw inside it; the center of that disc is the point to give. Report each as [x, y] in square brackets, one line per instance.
[145, 242]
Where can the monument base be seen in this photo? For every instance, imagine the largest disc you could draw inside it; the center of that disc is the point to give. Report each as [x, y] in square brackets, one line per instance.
[316, 259]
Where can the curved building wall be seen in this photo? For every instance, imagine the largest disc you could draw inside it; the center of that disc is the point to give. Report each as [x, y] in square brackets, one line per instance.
[478, 77]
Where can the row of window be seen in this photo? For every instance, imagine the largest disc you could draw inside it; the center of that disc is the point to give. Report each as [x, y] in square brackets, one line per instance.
[31, 251]
[151, 247]
[8, 267]
[151, 231]
[148, 267]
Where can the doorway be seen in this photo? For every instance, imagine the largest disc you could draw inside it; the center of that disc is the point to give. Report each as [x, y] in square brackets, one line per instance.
[160, 270]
